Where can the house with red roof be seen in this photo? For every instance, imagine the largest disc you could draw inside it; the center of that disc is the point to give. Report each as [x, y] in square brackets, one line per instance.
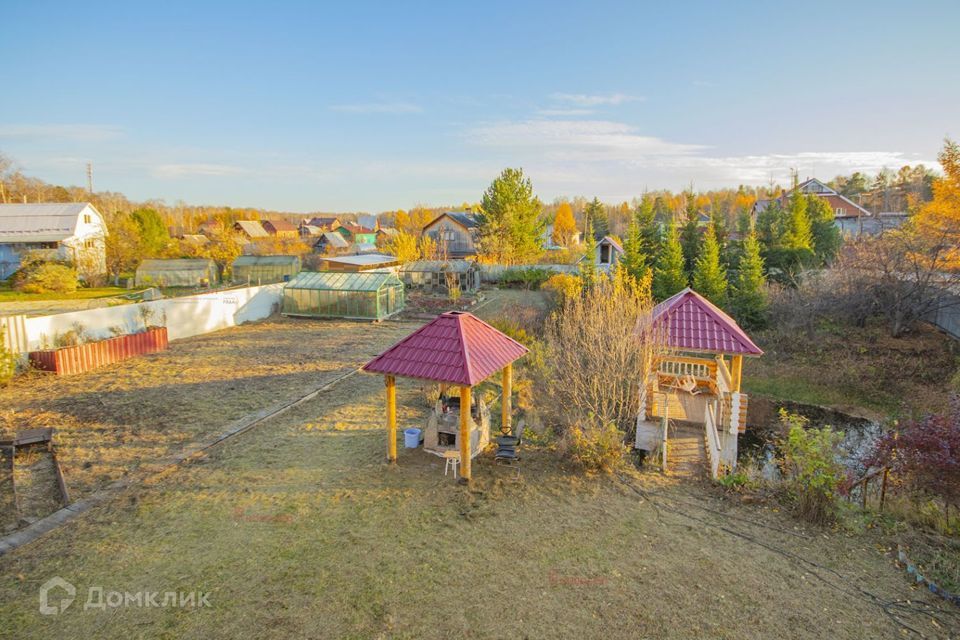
[692, 410]
[843, 208]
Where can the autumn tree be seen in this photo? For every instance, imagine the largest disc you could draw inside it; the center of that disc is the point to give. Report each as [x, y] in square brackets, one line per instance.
[123, 247]
[510, 229]
[225, 245]
[709, 276]
[404, 247]
[154, 239]
[564, 226]
[939, 220]
[748, 298]
[669, 275]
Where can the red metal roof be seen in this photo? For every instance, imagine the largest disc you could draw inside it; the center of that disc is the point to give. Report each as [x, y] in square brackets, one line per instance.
[455, 348]
[694, 323]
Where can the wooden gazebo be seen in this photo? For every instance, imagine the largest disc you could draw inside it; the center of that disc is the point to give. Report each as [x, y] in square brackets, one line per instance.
[454, 349]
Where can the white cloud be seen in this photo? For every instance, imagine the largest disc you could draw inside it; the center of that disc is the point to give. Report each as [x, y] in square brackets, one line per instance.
[564, 112]
[577, 139]
[378, 107]
[587, 100]
[74, 132]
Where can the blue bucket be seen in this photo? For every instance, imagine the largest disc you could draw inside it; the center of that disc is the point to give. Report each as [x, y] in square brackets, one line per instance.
[411, 438]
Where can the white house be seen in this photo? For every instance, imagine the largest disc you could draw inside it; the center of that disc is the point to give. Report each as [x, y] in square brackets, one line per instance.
[74, 232]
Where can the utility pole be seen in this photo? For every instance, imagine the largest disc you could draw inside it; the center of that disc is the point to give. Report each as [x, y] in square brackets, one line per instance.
[90, 178]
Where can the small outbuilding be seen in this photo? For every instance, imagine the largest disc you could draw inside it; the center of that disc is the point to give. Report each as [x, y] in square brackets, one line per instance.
[358, 296]
[264, 269]
[440, 275]
[182, 272]
[364, 262]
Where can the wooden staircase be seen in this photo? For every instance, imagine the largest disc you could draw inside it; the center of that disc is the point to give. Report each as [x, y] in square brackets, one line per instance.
[686, 454]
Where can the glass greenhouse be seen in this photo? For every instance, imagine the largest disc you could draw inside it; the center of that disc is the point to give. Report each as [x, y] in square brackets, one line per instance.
[264, 269]
[176, 273]
[368, 295]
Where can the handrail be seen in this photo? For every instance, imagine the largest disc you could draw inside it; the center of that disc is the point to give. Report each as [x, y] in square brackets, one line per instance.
[865, 480]
[713, 446]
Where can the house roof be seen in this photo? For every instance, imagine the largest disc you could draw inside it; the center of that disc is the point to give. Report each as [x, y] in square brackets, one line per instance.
[357, 228]
[39, 222]
[612, 242]
[364, 260]
[252, 228]
[324, 221]
[454, 348]
[334, 239]
[311, 230]
[463, 218]
[693, 323]
[281, 225]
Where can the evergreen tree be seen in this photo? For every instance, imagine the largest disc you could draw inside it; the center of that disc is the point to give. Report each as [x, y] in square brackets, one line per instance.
[510, 229]
[798, 234]
[826, 235]
[634, 259]
[597, 214]
[649, 228]
[154, 238]
[749, 297]
[669, 276]
[709, 276]
[588, 266]
[690, 241]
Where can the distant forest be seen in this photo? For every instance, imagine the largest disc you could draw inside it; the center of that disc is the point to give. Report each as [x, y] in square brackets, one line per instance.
[902, 191]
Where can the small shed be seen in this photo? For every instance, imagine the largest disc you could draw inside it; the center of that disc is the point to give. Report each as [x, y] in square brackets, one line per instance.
[439, 275]
[182, 272]
[263, 269]
[359, 296]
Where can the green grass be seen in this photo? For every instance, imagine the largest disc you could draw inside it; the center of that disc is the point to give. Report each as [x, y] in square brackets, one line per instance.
[8, 294]
[795, 387]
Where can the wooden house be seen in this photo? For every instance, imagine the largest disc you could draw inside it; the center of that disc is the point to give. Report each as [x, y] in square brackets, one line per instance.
[692, 410]
[281, 228]
[455, 233]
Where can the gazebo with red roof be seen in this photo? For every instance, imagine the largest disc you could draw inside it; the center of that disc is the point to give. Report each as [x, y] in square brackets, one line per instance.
[693, 383]
[455, 348]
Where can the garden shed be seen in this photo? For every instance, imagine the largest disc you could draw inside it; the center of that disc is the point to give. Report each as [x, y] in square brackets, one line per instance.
[439, 275]
[361, 296]
[263, 269]
[184, 272]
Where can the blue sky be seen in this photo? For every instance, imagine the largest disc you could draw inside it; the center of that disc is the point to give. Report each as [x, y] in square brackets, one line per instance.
[377, 105]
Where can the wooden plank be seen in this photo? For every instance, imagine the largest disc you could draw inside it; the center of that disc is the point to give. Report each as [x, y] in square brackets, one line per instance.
[465, 433]
[506, 400]
[391, 384]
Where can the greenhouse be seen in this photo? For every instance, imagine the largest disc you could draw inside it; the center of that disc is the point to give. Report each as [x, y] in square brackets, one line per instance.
[177, 273]
[440, 275]
[264, 269]
[370, 295]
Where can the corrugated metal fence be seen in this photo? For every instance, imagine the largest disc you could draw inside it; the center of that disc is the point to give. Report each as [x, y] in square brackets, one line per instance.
[14, 330]
[947, 316]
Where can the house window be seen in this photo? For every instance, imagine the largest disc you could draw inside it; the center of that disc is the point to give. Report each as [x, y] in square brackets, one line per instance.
[89, 244]
[604, 254]
[840, 211]
[87, 219]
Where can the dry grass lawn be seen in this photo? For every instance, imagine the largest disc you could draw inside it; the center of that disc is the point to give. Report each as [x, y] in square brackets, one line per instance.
[127, 417]
[299, 529]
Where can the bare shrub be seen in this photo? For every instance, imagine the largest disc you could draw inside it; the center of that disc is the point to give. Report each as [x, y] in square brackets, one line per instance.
[597, 345]
[596, 448]
[811, 467]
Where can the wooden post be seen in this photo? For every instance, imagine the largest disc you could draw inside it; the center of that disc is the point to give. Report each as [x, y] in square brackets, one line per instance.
[506, 400]
[736, 372]
[391, 383]
[465, 433]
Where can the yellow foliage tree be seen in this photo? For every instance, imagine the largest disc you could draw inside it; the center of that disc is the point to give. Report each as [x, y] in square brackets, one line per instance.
[404, 247]
[564, 226]
[938, 221]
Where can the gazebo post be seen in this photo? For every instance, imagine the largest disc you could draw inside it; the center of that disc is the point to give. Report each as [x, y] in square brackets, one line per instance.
[736, 372]
[507, 399]
[391, 384]
[465, 433]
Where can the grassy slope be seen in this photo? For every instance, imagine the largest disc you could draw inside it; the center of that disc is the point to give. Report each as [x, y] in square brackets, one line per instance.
[12, 295]
[859, 370]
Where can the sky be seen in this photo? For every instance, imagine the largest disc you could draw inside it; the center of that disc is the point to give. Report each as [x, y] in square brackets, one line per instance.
[374, 106]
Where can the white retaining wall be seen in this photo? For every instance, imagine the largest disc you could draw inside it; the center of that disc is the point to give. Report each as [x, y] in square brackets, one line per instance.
[183, 317]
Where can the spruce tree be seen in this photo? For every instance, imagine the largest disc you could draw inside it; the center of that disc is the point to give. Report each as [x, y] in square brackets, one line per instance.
[826, 235]
[597, 214]
[669, 276]
[649, 228]
[749, 297]
[634, 259]
[709, 276]
[588, 265]
[798, 234]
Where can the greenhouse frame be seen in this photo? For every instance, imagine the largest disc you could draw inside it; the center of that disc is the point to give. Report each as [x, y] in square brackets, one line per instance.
[265, 269]
[368, 295]
[182, 272]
